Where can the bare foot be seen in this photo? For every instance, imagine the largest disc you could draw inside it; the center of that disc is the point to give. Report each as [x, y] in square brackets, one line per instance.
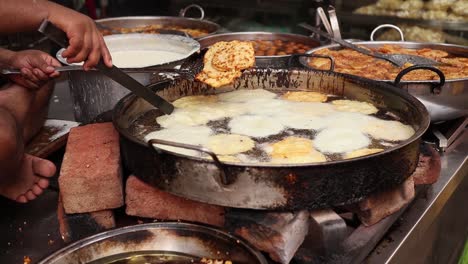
[30, 181]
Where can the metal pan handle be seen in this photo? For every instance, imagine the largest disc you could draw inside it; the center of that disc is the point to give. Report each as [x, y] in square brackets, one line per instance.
[304, 63]
[184, 10]
[402, 37]
[218, 163]
[335, 26]
[436, 89]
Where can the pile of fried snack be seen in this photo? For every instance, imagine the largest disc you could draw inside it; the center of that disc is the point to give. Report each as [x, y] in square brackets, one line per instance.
[456, 10]
[353, 62]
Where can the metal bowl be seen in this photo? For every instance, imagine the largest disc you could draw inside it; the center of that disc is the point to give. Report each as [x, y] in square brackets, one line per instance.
[93, 93]
[163, 239]
[443, 101]
[278, 61]
[138, 21]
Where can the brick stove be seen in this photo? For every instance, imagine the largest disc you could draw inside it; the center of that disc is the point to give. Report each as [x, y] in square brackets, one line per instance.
[335, 235]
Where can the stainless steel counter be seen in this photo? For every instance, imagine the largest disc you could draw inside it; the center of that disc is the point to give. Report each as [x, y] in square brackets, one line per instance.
[434, 228]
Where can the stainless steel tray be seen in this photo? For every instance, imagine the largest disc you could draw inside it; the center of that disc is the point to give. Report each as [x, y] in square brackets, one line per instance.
[175, 238]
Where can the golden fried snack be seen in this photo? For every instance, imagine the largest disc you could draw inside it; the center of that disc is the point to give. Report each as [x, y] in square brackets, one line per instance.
[355, 106]
[229, 144]
[237, 55]
[361, 152]
[305, 97]
[295, 150]
[225, 73]
[352, 62]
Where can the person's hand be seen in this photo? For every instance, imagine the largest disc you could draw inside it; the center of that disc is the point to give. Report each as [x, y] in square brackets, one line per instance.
[86, 42]
[36, 68]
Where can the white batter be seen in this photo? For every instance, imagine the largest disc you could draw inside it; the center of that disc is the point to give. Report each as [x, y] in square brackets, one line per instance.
[143, 58]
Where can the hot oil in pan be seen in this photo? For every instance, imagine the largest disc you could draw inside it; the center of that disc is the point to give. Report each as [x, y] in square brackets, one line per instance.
[149, 257]
[147, 123]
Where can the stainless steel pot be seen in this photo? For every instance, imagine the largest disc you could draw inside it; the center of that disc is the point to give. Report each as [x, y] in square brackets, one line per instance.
[93, 93]
[181, 21]
[276, 186]
[278, 61]
[444, 100]
[160, 239]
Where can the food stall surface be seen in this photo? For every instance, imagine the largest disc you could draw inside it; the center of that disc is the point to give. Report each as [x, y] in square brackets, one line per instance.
[434, 224]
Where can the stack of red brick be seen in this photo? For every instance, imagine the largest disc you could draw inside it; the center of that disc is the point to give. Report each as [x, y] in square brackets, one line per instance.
[91, 181]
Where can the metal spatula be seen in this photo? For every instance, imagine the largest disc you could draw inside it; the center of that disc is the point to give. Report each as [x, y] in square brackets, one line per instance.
[116, 74]
[397, 59]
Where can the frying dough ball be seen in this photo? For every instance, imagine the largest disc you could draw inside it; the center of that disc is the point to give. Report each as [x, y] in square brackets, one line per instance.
[255, 126]
[305, 96]
[361, 152]
[355, 106]
[192, 116]
[230, 109]
[388, 130]
[194, 100]
[309, 109]
[295, 150]
[194, 113]
[347, 120]
[229, 144]
[267, 107]
[339, 140]
[302, 122]
[197, 135]
[246, 95]
[181, 118]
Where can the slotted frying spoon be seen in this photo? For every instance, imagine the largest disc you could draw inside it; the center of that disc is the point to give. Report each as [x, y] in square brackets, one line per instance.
[396, 59]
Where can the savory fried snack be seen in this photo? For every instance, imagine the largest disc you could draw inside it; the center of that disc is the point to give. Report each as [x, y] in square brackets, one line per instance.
[305, 97]
[246, 95]
[229, 144]
[352, 62]
[235, 55]
[388, 130]
[224, 61]
[295, 150]
[355, 106]
[361, 152]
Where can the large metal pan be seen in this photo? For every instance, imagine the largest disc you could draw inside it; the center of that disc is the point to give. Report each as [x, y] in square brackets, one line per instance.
[282, 187]
[444, 100]
[278, 61]
[181, 21]
[184, 240]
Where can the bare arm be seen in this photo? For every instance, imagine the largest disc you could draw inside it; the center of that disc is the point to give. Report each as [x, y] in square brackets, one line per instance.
[86, 42]
[22, 15]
